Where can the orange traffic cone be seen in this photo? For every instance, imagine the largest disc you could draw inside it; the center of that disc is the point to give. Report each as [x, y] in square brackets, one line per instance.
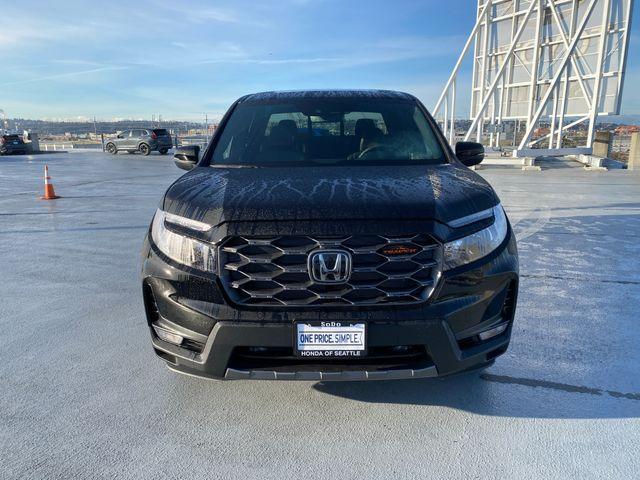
[49, 192]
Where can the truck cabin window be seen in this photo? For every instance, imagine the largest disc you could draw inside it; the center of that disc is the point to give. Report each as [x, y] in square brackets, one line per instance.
[324, 132]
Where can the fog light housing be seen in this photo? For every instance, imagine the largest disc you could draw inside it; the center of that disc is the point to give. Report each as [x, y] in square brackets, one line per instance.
[493, 332]
[167, 335]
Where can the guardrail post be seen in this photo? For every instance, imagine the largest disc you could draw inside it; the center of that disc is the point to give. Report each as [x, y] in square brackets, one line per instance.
[602, 144]
[634, 152]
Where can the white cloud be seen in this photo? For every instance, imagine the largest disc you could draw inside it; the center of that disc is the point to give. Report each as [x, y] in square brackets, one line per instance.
[16, 34]
[59, 76]
[382, 51]
[196, 13]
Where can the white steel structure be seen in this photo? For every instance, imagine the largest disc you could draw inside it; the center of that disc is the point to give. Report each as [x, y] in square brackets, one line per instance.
[556, 60]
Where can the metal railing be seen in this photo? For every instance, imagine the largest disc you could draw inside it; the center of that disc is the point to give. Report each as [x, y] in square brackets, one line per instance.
[54, 147]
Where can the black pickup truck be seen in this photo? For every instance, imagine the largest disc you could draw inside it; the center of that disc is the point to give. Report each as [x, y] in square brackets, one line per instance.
[329, 235]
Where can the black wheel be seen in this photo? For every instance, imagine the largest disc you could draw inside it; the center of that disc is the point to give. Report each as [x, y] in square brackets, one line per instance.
[144, 149]
[163, 151]
[111, 148]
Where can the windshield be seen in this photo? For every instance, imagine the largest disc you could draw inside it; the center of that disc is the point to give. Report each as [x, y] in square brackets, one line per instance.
[324, 131]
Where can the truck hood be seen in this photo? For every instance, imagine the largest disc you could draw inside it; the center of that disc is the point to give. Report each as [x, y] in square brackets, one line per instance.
[439, 192]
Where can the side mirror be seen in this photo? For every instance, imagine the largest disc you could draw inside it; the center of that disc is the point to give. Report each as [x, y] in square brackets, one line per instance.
[186, 157]
[120, 136]
[470, 153]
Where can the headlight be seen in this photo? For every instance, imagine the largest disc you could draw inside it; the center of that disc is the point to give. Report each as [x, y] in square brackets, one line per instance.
[475, 246]
[182, 249]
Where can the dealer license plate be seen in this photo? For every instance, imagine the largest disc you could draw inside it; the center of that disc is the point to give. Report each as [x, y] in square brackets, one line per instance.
[330, 339]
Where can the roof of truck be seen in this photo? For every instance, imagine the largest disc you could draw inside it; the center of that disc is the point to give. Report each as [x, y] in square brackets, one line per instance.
[302, 94]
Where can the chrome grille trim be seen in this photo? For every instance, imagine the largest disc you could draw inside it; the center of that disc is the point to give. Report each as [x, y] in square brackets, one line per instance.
[272, 271]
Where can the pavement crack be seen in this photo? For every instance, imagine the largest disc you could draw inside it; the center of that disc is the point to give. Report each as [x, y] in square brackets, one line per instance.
[75, 229]
[590, 279]
[565, 387]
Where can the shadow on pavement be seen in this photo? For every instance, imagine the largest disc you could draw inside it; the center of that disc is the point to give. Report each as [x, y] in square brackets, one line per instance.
[494, 395]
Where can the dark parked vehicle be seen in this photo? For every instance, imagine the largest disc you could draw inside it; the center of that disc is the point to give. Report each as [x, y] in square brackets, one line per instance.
[12, 144]
[141, 140]
[329, 235]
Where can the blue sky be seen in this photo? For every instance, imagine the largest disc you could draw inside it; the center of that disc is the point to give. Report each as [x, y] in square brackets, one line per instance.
[185, 58]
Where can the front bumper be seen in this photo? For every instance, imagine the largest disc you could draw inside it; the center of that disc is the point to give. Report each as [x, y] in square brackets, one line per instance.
[437, 338]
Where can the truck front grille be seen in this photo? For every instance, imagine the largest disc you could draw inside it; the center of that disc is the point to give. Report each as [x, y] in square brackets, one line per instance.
[272, 271]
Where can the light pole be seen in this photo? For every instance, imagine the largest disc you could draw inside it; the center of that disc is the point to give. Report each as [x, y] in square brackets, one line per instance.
[4, 120]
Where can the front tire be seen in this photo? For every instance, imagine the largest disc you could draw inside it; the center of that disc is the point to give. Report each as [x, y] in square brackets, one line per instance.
[144, 149]
[111, 148]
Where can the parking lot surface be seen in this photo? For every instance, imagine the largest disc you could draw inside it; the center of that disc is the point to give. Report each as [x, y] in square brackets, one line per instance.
[83, 396]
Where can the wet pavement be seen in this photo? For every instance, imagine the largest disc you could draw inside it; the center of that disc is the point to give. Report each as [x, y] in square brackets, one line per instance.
[84, 396]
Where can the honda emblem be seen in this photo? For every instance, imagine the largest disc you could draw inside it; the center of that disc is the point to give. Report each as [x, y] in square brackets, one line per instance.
[330, 266]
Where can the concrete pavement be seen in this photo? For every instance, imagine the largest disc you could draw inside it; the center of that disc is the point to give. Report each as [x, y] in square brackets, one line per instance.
[83, 396]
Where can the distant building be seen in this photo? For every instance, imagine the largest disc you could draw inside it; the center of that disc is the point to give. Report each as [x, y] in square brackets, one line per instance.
[627, 129]
[541, 132]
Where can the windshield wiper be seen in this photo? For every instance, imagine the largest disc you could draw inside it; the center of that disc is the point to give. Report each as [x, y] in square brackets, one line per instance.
[229, 165]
